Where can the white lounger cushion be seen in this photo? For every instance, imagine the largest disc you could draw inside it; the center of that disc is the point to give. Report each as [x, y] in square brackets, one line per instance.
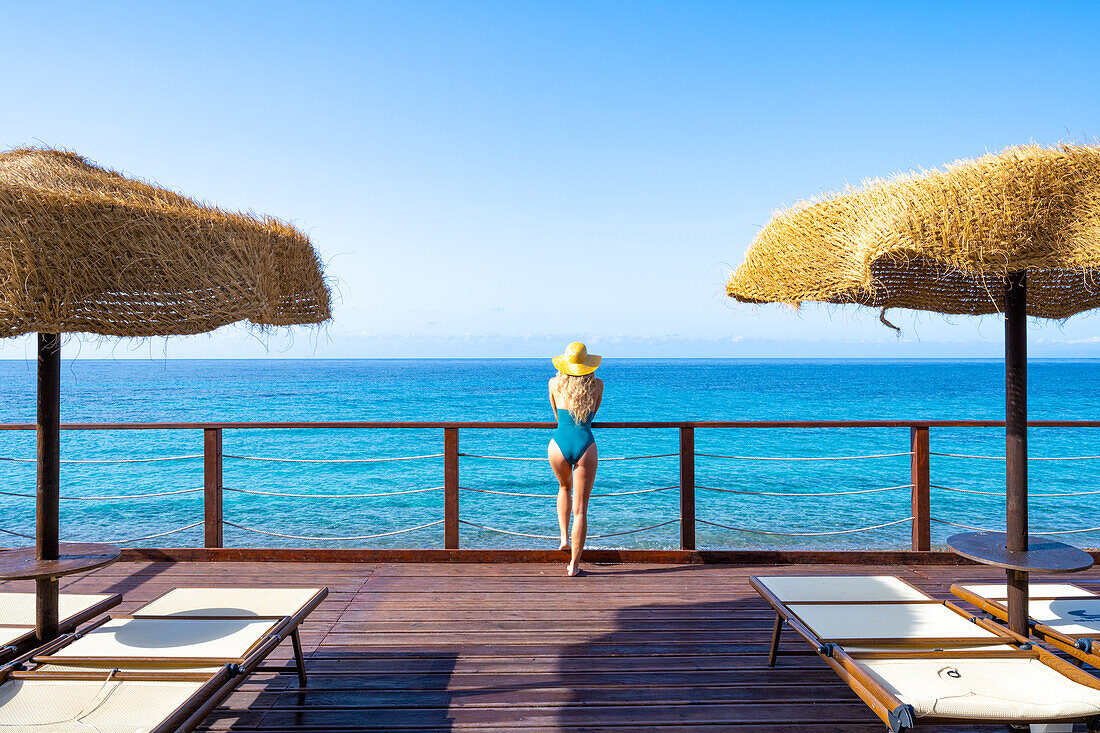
[886, 621]
[985, 689]
[169, 638]
[11, 634]
[999, 592]
[65, 706]
[829, 588]
[17, 609]
[1072, 618]
[229, 602]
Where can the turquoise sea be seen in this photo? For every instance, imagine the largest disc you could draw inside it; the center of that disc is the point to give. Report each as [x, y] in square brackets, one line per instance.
[515, 390]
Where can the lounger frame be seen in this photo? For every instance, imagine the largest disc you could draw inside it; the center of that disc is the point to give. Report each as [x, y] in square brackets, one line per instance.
[897, 715]
[218, 685]
[1079, 646]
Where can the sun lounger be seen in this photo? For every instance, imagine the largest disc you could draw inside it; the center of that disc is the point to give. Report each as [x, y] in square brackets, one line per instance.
[1064, 615]
[916, 660]
[17, 617]
[162, 668]
[239, 602]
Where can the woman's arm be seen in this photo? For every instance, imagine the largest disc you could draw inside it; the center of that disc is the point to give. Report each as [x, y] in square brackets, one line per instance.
[599, 397]
[553, 404]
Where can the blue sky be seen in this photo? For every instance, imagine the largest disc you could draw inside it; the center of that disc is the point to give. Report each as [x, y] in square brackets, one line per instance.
[498, 178]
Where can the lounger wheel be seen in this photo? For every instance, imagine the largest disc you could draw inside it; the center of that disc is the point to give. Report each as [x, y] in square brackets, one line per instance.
[901, 718]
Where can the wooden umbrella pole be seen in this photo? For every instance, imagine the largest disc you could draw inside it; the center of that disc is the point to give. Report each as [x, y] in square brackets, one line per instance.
[1016, 442]
[47, 512]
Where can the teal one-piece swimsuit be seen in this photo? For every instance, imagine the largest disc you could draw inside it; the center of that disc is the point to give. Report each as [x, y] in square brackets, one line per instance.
[572, 438]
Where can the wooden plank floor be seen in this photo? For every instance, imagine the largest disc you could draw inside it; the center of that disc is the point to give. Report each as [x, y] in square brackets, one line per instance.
[514, 647]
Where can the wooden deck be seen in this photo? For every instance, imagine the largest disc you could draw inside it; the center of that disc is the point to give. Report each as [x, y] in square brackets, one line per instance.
[515, 647]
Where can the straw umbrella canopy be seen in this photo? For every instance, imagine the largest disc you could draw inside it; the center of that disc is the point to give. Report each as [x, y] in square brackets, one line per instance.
[84, 249]
[1016, 232]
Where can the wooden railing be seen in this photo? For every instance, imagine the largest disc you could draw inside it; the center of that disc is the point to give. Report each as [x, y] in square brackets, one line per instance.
[213, 488]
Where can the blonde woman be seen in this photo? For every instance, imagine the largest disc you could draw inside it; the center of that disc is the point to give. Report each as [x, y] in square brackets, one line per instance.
[575, 395]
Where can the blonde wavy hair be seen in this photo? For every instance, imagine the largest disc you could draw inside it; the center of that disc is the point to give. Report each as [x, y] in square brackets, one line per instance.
[580, 392]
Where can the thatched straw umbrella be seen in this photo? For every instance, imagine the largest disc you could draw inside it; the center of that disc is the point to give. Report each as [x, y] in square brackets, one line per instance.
[87, 250]
[1015, 233]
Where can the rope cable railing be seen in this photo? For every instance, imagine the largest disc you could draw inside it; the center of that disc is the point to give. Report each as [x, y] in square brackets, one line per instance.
[1030, 458]
[123, 541]
[154, 536]
[802, 458]
[274, 459]
[108, 497]
[807, 534]
[1036, 532]
[800, 495]
[158, 459]
[269, 459]
[1055, 495]
[554, 496]
[331, 539]
[259, 492]
[214, 456]
[555, 537]
[543, 459]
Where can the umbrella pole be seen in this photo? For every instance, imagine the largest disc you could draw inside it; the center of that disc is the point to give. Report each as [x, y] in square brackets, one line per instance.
[47, 514]
[1016, 442]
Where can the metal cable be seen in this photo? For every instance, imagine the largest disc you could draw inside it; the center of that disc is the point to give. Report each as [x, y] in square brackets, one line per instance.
[554, 537]
[540, 460]
[814, 458]
[554, 496]
[796, 495]
[116, 460]
[331, 460]
[806, 534]
[107, 496]
[334, 539]
[332, 496]
[17, 534]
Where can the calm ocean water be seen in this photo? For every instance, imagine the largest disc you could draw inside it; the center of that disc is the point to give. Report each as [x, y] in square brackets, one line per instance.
[515, 390]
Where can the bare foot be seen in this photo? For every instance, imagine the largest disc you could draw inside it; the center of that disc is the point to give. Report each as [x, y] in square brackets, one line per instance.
[564, 544]
[572, 570]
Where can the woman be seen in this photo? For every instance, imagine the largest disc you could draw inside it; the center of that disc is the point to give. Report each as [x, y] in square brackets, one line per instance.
[575, 395]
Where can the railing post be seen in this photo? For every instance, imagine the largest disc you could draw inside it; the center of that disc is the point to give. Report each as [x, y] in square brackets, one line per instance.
[450, 488]
[921, 510]
[212, 483]
[687, 488]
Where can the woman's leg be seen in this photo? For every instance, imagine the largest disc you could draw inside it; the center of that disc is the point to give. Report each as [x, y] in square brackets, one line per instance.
[564, 473]
[584, 475]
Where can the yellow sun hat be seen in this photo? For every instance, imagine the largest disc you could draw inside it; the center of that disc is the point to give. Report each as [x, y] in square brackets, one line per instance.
[576, 361]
